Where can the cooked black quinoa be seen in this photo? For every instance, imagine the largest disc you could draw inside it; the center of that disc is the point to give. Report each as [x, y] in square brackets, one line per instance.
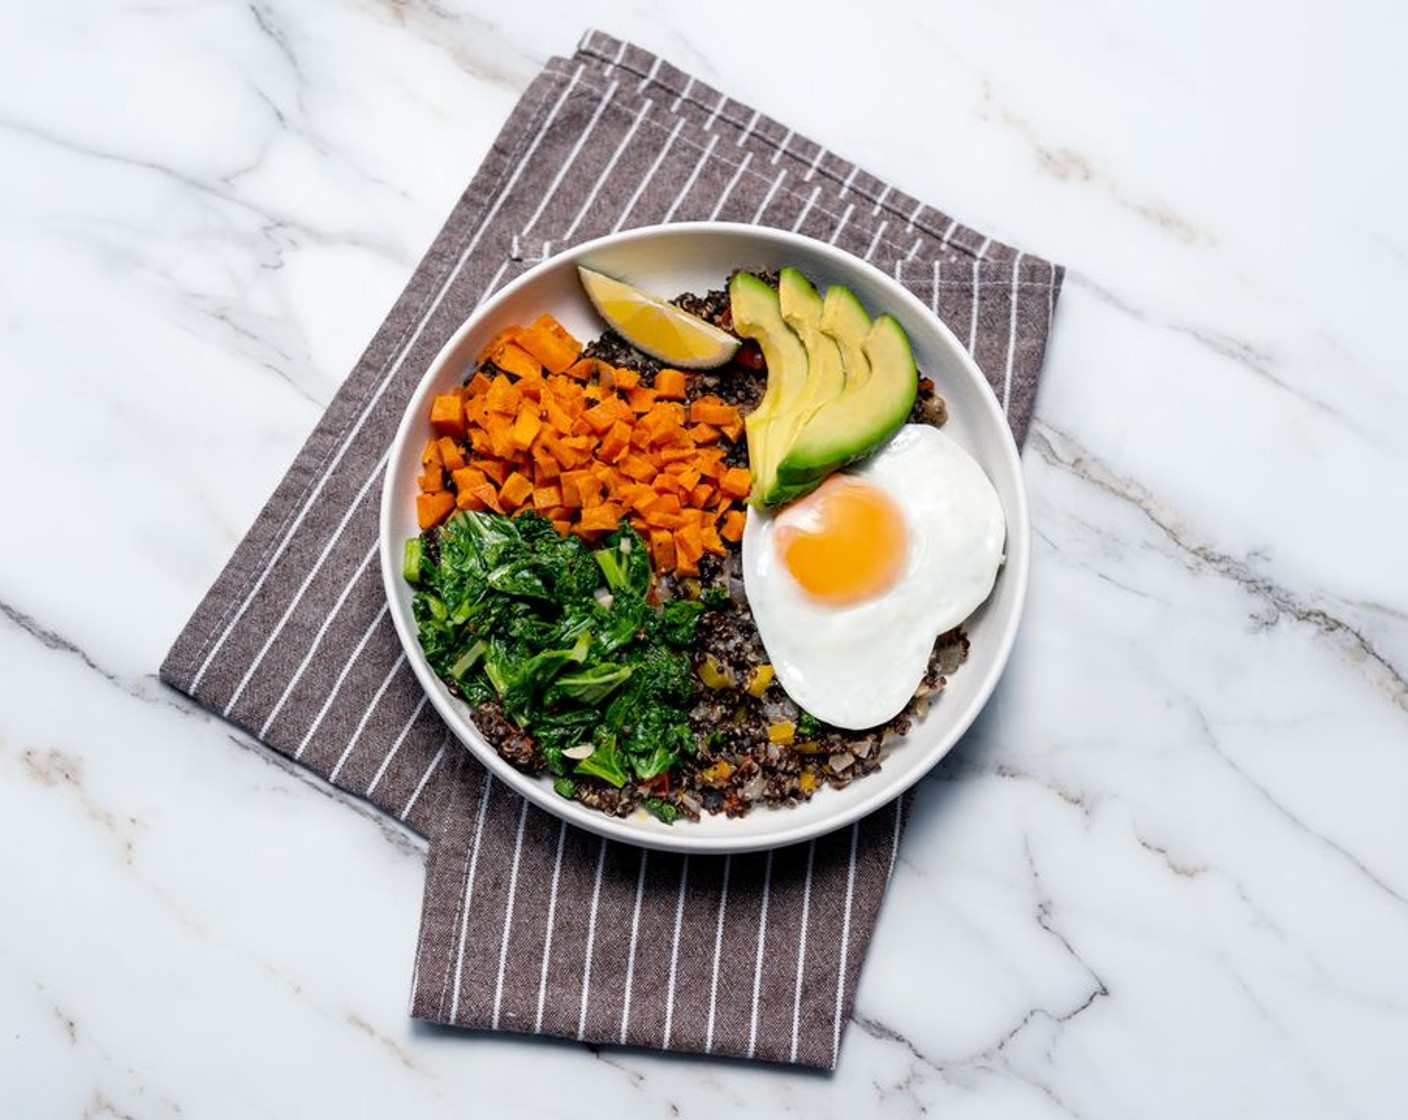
[737, 766]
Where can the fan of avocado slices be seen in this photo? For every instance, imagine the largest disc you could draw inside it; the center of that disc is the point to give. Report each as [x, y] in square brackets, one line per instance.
[839, 383]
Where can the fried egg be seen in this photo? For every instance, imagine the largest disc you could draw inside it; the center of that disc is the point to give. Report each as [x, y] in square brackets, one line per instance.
[851, 585]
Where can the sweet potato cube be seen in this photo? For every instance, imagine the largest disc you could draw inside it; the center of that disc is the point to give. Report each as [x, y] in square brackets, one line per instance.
[498, 428]
[703, 433]
[637, 467]
[735, 482]
[450, 454]
[512, 358]
[701, 495]
[711, 410]
[431, 455]
[516, 490]
[732, 527]
[600, 417]
[508, 334]
[489, 496]
[689, 476]
[589, 487]
[550, 344]
[431, 479]
[556, 415]
[478, 384]
[546, 468]
[612, 479]
[670, 384]
[431, 509]
[526, 426]
[618, 409]
[479, 442]
[580, 446]
[547, 497]
[689, 544]
[709, 533]
[468, 499]
[566, 457]
[603, 517]
[467, 478]
[447, 416]
[662, 550]
[626, 378]
[663, 422]
[641, 399]
[579, 488]
[583, 369]
[494, 468]
[502, 397]
[615, 443]
[710, 462]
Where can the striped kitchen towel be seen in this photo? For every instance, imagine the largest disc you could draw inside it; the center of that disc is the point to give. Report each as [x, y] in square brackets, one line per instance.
[528, 924]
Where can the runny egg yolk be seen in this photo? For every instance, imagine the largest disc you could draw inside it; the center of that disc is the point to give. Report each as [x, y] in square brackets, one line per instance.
[844, 542]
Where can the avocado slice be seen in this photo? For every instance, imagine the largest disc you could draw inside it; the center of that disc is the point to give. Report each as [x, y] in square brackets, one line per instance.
[757, 314]
[845, 320]
[802, 311]
[862, 416]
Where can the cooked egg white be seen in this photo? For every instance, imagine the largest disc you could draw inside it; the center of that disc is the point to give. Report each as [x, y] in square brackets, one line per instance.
[850, 585]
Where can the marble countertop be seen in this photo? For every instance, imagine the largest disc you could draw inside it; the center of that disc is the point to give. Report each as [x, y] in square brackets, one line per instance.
[1167, 873]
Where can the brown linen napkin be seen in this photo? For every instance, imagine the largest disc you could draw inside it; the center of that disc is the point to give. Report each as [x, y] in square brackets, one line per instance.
[528, 924]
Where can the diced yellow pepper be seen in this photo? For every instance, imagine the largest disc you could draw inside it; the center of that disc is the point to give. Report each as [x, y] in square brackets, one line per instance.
[759, 679]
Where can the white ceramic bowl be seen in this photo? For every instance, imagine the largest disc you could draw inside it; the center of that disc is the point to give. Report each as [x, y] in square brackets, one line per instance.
[698, 256]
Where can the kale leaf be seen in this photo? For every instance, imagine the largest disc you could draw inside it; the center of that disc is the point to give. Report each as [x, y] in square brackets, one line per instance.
[567, 639]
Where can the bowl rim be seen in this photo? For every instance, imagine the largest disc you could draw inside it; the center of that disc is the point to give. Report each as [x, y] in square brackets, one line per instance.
[678, 838]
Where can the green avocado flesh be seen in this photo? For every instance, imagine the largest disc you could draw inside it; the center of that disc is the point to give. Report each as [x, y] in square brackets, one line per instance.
[839, 385]
[757, 314]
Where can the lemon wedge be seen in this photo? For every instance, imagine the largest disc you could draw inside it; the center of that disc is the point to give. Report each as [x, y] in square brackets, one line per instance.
[655, 327]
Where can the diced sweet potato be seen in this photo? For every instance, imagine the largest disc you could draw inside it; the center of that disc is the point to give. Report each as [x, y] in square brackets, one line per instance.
[508, 334]
[547, 497]
[615, 443]
[670, 384]
[502, 397]
[552, 346]
[603, 517]
[735, 482]
[526, 426]
[432, 478]
[495, 469]
[431, 509]
[637, 467]
[512, 358]
[731, 528]
[662, 549]
[447, 416]
[515, 491]
[450, 454]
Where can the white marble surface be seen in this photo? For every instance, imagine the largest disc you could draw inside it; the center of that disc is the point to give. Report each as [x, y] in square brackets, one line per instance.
[1166, 876]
